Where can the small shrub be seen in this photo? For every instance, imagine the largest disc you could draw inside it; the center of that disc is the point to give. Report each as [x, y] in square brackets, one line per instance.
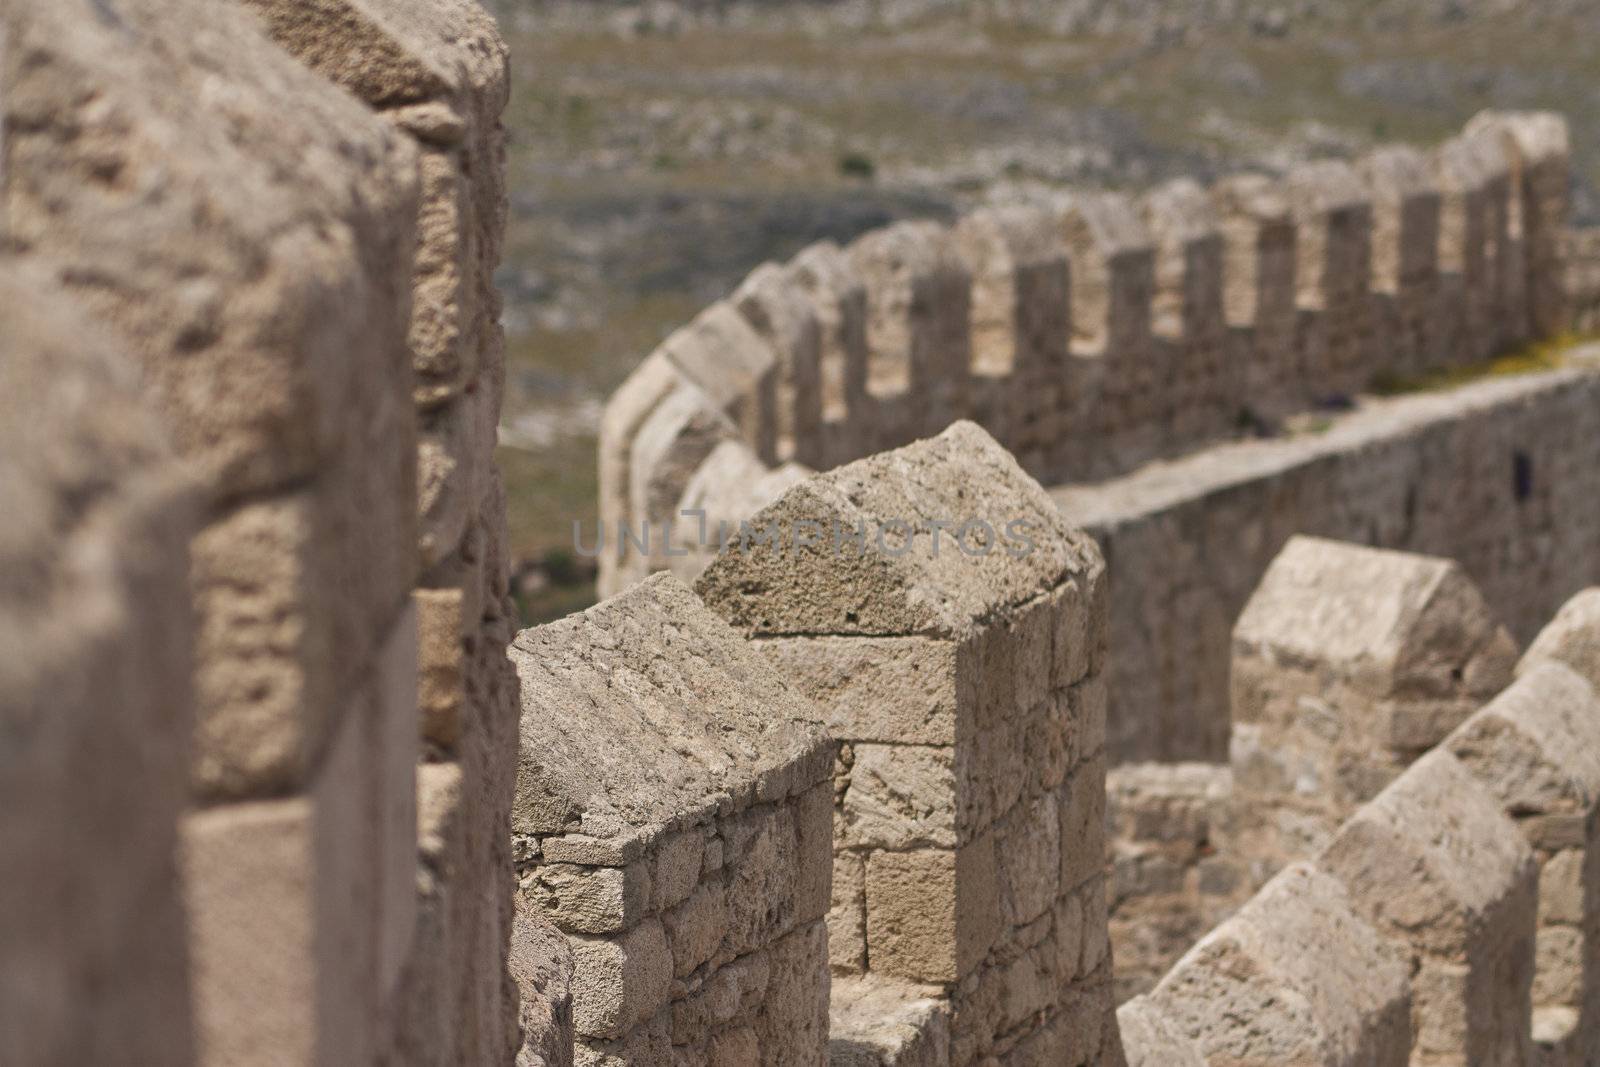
[856, 165]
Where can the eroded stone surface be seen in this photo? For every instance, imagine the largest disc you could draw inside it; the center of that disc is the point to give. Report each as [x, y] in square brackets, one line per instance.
[95, 628]
[674, 819]
[644, 710]
[1316, 982]
[901, 582]
[1434, 865]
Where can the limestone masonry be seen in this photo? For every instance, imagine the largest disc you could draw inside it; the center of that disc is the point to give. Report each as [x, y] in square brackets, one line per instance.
[1267, 734]
[1095, 336]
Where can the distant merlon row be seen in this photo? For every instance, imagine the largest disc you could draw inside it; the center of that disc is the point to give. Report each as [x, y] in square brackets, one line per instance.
[1100, 331]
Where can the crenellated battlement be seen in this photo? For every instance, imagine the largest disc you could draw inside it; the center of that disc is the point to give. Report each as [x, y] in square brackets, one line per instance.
[933, 764]
[1420, 825]
[1105, 330]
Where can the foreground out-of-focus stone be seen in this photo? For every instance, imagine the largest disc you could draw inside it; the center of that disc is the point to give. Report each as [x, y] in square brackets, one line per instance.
[95, 697]
[260, 275]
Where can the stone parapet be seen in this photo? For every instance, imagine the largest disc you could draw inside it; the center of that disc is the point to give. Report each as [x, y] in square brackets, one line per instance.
[435, 71]
[289, 216]
[673, 819]
[1102, 331]
[1348, 663]
[1410, 940]
[1297, 976]
[1434, 865]
[948, 626]
[1498, 475]
[1536, 748]
[1469, 877]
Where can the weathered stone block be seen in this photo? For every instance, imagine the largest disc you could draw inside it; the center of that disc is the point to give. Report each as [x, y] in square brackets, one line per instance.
[591, 900]
[1080, 638]
[1295, 977]
[1083, 823]
[792, 1024]
[762, 868]
[1572, 638]
[900, 798]
[902, 690]
[1561, 889]
[1028, 847]
[567, 780]
[1435, 866]
[96, 695]
[814, 838]
[696, 928]
[931, 914]
[847, 914]
[541, 964]
[1151, 1039]
[282, 900]
[1348, 661]
[293, 596]
[441, 681]
[1534, 746]
[991, 770]
[685, 814]
[1387, 620]
[877, 1022]
[619, 983]
[455, 458]
[1535, 749]
[734, 992]
[908, 589]
[912, 915]
[677, 867]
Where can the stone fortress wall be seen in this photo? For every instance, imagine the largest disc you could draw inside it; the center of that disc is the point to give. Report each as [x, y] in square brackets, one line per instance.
[259, 722]
[1400, 855]
[284, 789]
[1583, 278]
[1498, 475]
[1444, 911]
[1120, 347]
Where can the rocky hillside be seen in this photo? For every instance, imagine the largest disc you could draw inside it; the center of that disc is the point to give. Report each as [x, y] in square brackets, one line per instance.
[1273, 17]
